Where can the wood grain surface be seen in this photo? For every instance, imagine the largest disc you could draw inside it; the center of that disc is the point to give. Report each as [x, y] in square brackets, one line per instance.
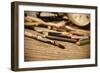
[36, 50]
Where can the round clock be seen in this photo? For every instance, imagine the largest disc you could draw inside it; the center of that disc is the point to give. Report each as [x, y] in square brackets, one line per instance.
[79, 19]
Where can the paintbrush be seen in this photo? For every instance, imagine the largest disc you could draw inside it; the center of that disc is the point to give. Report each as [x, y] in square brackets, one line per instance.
[43, 39]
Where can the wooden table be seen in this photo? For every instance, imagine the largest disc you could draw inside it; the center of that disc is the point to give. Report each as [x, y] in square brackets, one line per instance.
[36, 50]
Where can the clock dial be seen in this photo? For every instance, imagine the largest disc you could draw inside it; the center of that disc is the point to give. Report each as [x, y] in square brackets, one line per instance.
[79, 19]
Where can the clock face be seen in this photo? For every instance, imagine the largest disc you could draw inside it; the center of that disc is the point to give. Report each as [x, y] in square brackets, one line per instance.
[79, 19]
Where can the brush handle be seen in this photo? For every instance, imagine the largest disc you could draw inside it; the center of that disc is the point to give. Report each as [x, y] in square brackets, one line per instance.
[43, 39]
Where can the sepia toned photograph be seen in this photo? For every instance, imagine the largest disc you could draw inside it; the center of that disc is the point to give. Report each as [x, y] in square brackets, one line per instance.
[56, 36]
[52, 36]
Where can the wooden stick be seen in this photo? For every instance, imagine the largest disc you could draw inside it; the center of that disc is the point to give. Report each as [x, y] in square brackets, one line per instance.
[65, 35]
[77, 31]
[33, 19]
[43, 39]
[31, 24]
[62, 39]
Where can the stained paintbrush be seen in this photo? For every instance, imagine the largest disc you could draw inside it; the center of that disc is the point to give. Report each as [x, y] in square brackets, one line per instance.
[43, 39]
